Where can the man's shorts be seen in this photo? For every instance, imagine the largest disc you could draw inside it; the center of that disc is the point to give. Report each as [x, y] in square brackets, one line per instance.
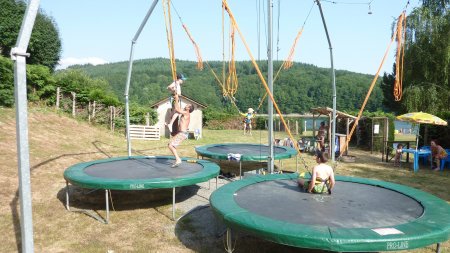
[178, 139]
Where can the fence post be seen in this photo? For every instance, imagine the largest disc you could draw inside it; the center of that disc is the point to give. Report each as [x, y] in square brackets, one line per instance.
[58, 91]
[296, 127]
[93, 110]
[73, 103]
[89, 112]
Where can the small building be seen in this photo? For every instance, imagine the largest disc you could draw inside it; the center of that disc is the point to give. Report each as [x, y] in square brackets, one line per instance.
[341, 137]
[164, 111]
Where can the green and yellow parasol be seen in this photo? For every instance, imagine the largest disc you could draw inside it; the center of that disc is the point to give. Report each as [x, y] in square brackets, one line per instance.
[421, 118]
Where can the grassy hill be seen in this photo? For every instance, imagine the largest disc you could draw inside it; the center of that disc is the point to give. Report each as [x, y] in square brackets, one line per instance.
[58, 141]
[296, 90]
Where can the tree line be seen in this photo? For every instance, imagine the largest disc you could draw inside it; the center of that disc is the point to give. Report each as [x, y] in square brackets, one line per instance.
[296, 90]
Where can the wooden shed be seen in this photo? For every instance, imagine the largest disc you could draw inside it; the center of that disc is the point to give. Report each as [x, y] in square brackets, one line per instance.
[164, 111]
[342, 137]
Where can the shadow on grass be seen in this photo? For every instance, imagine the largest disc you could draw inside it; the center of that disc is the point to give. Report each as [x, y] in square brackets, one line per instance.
[200, 231]
[90, 201]
[14, 204]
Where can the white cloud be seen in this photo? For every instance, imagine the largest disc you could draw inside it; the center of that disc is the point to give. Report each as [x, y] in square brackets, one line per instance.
[66, 62]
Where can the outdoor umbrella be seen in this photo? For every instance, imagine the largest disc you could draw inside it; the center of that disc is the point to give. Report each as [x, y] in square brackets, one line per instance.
[421, 118]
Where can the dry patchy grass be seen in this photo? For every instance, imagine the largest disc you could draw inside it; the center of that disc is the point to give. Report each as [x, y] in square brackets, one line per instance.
[57, 141]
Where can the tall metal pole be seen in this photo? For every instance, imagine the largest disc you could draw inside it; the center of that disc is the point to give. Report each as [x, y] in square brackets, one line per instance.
[18, 54]
[333, 78]
[270, 162]
[130, 67]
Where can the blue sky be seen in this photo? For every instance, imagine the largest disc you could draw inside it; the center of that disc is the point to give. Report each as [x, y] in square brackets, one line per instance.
[100, 31]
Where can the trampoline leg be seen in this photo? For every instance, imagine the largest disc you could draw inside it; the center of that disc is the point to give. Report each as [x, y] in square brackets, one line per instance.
[209, 184]
[173, 203]
[229, 246]
[107, 206]
[438, 248]
[67, 196]
[240, 170]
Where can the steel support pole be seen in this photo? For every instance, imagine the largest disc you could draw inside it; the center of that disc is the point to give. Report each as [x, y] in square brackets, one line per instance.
[270, 162]
[240, 170]
[130, 67]
[173, 203]
[229, 248]
[18, 54]
[67, 196]
[107, 206]
[333, 78]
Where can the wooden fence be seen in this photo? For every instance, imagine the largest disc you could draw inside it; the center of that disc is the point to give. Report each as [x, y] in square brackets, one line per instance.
[143, 132]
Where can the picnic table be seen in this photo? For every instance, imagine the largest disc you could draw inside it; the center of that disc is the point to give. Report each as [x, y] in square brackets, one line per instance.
[416, 153]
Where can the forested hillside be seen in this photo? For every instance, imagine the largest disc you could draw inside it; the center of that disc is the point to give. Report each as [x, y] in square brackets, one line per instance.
[296, 90]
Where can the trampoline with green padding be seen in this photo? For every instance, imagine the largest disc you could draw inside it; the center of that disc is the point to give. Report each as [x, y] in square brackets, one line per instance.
[361, 215]
[246, 152]
[138, 173]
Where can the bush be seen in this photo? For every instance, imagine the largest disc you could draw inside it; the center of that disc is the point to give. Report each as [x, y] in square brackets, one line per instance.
[211, 114]
[6, 82]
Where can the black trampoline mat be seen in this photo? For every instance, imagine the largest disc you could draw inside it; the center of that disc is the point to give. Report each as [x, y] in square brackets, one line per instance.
[244, 149]
[351, 205]
[143, 168]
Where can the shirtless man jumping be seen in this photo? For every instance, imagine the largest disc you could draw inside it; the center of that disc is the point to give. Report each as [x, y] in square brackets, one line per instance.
[183, 127]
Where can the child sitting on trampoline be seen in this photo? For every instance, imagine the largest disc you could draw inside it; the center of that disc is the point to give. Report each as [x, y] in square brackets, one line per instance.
[322, 177]
[174, 88]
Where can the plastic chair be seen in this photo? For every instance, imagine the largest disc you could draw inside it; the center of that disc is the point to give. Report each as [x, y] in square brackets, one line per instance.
[444, 161]
[301, 145]
[197, 134]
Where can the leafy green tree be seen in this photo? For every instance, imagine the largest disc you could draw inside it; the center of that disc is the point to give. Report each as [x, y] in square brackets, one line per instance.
[40, 83]
[87, 88]
[426, 84]
[45, 44]
[6, 82]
